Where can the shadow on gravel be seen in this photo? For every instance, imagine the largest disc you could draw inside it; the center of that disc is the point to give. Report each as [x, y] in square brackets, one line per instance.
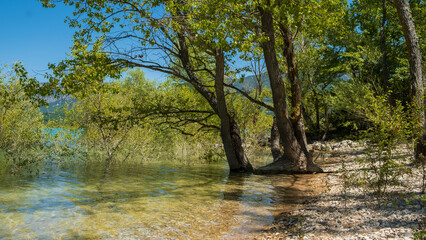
[361, 215]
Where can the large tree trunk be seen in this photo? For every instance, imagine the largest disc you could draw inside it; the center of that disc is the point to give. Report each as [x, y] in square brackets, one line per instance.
[417, 77]
[275, 141]
[229, 130]
[296, 92]
[296, 158]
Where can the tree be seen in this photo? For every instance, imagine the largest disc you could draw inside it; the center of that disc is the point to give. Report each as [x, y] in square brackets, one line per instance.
[109, 119]
[296, 157]
[385, 70]
[170, 35]
[21, 122]
[105, 110]
[417, 77]
[204, 37]
[279, 17]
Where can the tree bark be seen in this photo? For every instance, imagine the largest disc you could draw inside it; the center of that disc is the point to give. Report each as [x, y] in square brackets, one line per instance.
[275, 141]
[296, 158]
[417, 77]
[296, 93]
[229, 130]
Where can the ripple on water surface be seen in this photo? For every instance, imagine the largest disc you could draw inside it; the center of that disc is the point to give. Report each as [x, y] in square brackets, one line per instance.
[148, 202]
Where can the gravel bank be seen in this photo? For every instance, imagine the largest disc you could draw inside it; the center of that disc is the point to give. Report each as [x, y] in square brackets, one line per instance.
[340, 213]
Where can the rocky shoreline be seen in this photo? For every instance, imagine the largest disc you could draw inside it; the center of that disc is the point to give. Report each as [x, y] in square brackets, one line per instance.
[352, 213]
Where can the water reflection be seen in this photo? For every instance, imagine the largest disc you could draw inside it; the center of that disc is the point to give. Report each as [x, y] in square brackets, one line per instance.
[139, 202]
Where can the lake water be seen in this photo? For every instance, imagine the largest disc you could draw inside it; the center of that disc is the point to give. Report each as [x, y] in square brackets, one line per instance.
[150, 201]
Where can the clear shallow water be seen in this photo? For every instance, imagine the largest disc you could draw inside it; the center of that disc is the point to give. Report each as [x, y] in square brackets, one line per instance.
[139, 202]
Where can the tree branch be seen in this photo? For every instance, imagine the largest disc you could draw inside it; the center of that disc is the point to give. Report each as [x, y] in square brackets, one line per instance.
[245, 94]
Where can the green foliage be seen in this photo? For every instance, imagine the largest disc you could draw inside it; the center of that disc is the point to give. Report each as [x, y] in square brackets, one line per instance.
[21, 125]
[419, 235]
[85, 72]
[185, 109]
[321, 71]
[418, 9]
[391, 127]
[187, 127]
[338, 48]
[134, 120]
[255, 121]
[345, 97]
[365, 52]
[109, 117]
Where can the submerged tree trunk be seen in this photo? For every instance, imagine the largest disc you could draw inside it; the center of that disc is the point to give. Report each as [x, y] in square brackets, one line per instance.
[296, 158]
[230, 132]
[417, 77]
[275, 141]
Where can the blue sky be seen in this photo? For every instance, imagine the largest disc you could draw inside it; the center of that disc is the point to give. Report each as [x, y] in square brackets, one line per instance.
[37, 36]
[33, 35]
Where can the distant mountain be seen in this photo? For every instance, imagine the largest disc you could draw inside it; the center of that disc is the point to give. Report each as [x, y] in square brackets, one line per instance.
[251, 82]
[51, 111]
[60, 100]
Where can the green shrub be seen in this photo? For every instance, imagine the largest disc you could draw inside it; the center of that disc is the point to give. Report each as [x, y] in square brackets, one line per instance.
[21, 125]
[392, 126]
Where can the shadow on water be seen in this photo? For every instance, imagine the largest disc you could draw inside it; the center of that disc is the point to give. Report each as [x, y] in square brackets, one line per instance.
[234, 186]
[300, 189]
